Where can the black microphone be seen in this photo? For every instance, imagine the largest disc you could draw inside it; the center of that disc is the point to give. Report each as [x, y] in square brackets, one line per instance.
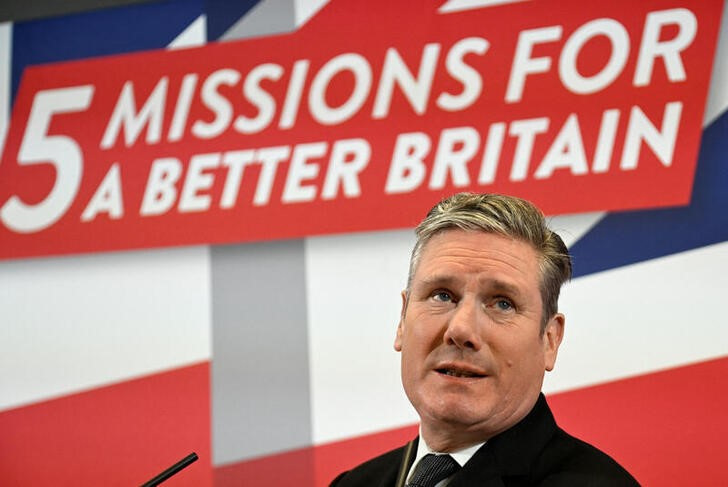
[171, 470]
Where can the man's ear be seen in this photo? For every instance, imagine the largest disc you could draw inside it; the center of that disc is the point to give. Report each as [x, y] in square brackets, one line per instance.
[398, 337]
[552, 336]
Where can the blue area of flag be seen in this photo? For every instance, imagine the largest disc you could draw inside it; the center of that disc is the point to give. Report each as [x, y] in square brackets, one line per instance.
[625, 238]
[223, 14]
[104, 32]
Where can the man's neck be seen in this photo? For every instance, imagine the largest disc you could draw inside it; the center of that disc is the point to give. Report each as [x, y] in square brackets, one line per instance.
[446, 442]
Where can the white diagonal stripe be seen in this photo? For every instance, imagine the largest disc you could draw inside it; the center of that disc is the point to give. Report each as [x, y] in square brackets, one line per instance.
[460, 5]
[718, 92]
[193, 36]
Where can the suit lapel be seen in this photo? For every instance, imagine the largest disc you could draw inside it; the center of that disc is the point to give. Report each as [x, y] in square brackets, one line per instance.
[481, 469]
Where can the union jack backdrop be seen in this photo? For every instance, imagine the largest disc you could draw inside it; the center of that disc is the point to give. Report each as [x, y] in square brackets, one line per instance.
[206, 214]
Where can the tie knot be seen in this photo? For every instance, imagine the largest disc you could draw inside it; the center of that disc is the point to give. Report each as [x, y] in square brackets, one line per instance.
[432, 469]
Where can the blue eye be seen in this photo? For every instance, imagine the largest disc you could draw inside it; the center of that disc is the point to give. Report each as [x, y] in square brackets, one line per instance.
[504, 305]
[442, 296]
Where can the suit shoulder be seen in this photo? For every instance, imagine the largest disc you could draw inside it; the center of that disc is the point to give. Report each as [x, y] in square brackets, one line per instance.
[572, 461]
[373, 472]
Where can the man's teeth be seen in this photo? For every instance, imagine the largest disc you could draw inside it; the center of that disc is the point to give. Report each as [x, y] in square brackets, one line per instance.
[458, 373]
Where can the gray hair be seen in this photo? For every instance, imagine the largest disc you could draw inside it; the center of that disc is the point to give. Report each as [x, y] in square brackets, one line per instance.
[504, 215]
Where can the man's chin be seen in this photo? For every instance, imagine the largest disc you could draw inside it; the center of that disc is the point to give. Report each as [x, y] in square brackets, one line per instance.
[460, 415]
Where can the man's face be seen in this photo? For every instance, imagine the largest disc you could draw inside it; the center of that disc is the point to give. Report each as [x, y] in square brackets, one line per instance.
[473, 356]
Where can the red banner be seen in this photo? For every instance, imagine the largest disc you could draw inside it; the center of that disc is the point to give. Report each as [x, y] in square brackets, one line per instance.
[360, 120]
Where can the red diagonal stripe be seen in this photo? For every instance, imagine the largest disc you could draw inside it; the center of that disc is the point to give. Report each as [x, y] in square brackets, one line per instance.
[122, 434]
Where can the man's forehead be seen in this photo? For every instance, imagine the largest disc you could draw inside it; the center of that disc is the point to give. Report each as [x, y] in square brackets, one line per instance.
[475, 242]
[456, 252]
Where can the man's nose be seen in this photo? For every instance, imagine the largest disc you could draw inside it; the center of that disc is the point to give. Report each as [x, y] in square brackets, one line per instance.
[464, 325]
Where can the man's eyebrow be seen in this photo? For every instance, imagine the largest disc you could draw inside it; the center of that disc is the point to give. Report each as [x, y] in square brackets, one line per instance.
[502, 286]
[439, 279]
[497, 285]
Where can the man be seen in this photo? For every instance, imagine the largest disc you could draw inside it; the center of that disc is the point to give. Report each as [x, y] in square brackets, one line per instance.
[478, 329]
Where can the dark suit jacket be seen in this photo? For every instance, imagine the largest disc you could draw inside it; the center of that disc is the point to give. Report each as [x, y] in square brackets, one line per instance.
[533, 452]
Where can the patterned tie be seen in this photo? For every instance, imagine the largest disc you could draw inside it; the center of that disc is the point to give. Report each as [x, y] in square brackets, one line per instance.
[432, 469]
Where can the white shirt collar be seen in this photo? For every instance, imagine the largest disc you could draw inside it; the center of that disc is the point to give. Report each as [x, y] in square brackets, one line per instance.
[460, 456]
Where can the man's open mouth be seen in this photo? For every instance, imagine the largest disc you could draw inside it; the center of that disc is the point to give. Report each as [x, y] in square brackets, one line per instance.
[458, 373]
